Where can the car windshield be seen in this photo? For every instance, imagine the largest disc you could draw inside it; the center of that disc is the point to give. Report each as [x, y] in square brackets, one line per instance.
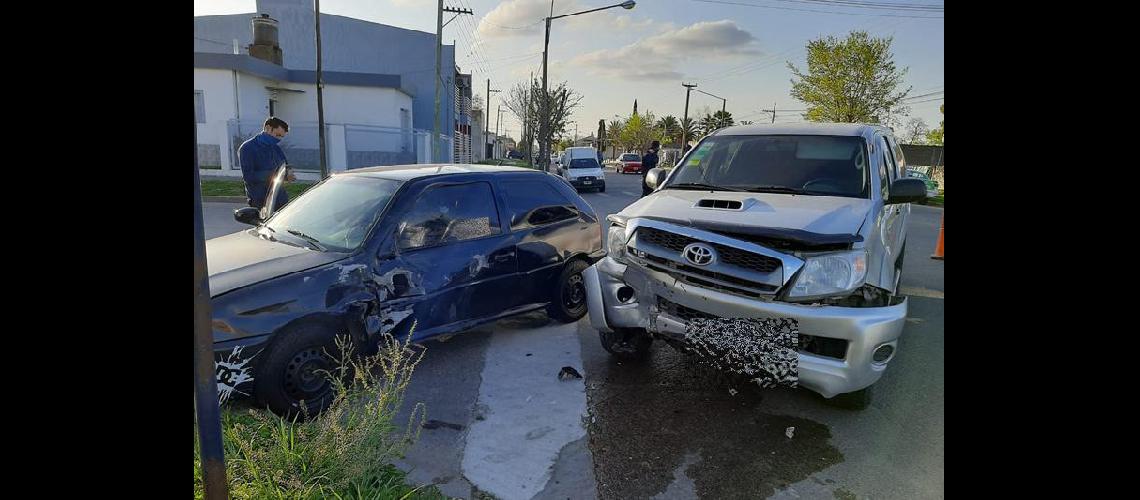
[630, 157]
[584, 163]
[796, 164]
[336, 214]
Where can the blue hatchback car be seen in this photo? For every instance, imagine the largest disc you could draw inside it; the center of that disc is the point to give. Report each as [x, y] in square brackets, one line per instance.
[368, 251]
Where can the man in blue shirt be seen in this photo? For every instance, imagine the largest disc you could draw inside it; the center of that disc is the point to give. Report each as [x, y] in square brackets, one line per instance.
[260, 158]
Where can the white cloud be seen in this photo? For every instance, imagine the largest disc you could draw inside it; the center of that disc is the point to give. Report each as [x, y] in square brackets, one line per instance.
[518, 18]
[514, 18]
[654, 57]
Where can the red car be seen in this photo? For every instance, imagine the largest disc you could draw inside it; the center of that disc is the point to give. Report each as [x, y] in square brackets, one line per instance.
[630, 163]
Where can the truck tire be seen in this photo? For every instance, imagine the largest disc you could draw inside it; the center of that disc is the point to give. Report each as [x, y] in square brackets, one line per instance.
[631, 344]
[858, 400]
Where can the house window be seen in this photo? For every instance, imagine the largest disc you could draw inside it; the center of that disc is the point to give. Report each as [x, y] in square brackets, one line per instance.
[199, 106]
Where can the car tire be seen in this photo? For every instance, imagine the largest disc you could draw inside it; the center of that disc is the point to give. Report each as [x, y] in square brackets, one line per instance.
[569, 302]
[630, 344]
[289, 370]
[602, 189]
[858, 400]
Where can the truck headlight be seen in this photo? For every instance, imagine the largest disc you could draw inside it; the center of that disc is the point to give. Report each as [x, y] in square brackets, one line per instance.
[616, 242]
[831, 274]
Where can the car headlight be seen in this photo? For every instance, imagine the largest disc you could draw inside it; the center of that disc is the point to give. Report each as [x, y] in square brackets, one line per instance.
[616, 243]
[831, 274]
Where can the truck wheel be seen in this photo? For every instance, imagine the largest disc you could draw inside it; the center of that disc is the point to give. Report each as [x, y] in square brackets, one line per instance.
[627, 343]
[858, 400]
[569, 304]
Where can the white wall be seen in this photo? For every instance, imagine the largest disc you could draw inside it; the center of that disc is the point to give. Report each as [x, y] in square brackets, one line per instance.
[217, 88]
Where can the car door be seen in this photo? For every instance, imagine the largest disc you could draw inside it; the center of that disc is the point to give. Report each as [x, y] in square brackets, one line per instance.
[891, 218]
[453, 236]
[903, 210]
[544, 224]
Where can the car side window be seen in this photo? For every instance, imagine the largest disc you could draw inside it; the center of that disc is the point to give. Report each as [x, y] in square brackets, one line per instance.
[535, 203]
[884, 168]
[900, 160]
[446, 214]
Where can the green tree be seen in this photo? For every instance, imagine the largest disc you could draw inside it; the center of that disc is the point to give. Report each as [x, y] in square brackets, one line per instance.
[691, 130]
[613, 136]
[935, 136]
[707, 124]
[852, 80]
[670, 129]
[915, 131]
[723, 119]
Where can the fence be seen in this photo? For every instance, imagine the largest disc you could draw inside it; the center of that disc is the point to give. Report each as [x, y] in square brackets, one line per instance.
[347, 146]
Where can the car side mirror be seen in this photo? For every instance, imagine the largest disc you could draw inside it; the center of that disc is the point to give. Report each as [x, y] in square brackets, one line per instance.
[248, 215]
[654, 177]
[907, 191]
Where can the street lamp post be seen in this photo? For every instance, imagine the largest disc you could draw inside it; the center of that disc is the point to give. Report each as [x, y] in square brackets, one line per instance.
[544, 112]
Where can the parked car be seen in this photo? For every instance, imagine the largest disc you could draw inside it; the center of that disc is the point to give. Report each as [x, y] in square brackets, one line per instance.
[629, 163]
[368, 251]
[581, 168]
[931, 185]
[515, 154]
[793, 222]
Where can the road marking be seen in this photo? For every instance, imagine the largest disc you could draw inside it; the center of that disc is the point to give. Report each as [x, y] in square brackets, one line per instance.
[530, 414]
[923, 292]
[629, 193]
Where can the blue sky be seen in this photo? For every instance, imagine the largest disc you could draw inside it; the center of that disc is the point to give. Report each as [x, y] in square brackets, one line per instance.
[612, 57]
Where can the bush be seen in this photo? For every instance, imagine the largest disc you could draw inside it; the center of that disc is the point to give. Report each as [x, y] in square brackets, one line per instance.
[345, 452]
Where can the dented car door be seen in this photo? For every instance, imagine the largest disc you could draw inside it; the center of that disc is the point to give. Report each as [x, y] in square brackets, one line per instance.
[452, 236]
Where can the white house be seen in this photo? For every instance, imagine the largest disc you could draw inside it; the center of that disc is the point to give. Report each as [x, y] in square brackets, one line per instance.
[378, 89]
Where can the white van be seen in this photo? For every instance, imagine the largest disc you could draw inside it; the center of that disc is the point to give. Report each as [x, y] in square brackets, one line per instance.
[580, 166]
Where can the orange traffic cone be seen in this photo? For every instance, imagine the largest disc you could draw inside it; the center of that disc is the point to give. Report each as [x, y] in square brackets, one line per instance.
[938, 246]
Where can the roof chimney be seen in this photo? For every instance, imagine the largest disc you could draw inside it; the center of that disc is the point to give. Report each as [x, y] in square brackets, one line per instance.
[265, 46]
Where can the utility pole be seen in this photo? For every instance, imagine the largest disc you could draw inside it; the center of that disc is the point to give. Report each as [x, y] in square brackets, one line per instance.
[773, 111]
[684, 130]
[543, 111]
[439, 24]
[498, 119]
[487, 119]
[320, 97]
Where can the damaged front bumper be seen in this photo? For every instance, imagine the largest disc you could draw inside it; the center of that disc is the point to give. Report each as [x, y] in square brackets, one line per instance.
[860, 330]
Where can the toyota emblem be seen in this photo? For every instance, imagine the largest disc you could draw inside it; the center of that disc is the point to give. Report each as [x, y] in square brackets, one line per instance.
[699, 254]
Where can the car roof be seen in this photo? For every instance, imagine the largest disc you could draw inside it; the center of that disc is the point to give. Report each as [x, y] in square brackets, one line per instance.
[411, 172]
[842, 129]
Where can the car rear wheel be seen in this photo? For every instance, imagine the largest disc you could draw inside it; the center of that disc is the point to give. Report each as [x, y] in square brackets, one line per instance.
[569, 301]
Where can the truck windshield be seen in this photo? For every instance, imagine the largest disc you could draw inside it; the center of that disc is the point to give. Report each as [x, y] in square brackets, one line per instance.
[795, 164]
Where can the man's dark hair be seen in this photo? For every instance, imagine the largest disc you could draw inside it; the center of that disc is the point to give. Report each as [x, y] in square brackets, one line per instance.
[275, 122]
[655, 145]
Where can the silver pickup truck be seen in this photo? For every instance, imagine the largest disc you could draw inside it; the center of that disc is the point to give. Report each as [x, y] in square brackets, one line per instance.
[804, 224]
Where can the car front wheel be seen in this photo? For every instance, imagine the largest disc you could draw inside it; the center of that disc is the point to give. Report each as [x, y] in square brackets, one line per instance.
[293, 376]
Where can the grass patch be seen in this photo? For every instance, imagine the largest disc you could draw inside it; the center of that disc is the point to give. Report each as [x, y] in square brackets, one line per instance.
[226, 187]
[345, 452]
[936, 201]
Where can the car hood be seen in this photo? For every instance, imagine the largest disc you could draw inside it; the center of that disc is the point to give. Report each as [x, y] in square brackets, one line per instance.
[242, 259]
[826, 215]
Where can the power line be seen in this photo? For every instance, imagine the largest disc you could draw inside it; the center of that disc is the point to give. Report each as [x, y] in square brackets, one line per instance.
[920, 7]
[816, 11]
[928, 100]
[925, 95]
